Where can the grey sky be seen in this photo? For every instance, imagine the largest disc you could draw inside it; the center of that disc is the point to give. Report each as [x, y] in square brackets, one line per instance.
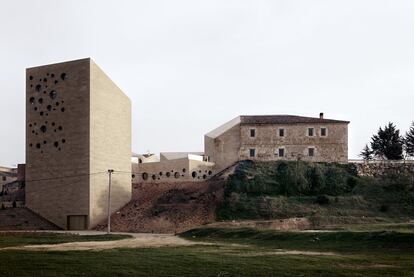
[189, 66]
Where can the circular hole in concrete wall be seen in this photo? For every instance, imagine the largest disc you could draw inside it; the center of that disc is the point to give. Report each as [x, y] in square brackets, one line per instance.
[57, 103]
[133, 176]
[176, 175]
[153, 177]
[38, 88]
[53, 94]
[63, 140]
[38, 145]
[45, 80]
[56, 143]
[204, 176]
[43, 128]
[145, 176]
[56, 81]
[30, 125]
[210, 172]
[31, 100]
[41, 113]
[59, 148]
[60, 128]
[40, 100]
[160, 173]
[194, 174]
[31, 144]
[63, 76]
[52, 75]
[184, 170]
[62, 109]
[139, 161]
[49, 108]
[168, 174]
[33, 132]
[30, 77]
[35, 108]
[53, 123]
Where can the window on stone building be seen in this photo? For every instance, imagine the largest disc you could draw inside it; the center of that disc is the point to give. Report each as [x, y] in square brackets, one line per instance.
[252, 133]
[252, 152]
[323, 132]
[311, 151]
[311, 132]
[281, 152]
[281, 132]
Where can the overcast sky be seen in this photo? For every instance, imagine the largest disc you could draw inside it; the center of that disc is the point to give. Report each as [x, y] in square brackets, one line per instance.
[189, 66]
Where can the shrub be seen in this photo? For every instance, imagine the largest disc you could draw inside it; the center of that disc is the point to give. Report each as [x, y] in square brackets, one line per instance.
[384, 208]
[322, 200]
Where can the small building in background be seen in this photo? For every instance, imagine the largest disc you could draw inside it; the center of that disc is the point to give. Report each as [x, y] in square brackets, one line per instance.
[173, 167]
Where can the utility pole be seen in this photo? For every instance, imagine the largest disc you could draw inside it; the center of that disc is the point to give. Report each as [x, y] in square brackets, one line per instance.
[110, 171]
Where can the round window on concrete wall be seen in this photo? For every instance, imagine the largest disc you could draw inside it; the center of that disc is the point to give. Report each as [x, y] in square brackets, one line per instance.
[168, 174]
[177, 175]
[210, 172]
[194, 174]
[153, 177]
[144, 176]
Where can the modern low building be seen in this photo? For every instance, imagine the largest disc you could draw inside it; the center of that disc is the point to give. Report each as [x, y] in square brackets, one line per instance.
[277, 137]
[78, 125]
[173, 167]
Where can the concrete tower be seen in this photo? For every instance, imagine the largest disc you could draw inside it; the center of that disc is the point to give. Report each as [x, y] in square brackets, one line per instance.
[78, 125]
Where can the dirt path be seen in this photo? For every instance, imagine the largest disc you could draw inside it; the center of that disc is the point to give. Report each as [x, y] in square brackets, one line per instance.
[138, 241]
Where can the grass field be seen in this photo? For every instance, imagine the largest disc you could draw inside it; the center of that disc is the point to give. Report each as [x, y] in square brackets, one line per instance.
[27, 238]
[235, 252]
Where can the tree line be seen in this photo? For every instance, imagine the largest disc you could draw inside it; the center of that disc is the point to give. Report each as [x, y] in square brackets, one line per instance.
[389, 144]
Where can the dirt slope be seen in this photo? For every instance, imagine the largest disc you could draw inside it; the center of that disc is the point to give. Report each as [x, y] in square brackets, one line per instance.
[168, 208]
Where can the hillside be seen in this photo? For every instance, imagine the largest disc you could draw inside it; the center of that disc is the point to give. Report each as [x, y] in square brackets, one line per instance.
[327, 194]
[168, 207]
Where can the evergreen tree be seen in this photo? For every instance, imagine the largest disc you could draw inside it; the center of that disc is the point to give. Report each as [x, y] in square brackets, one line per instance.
[388, 143]
[409, 141]
[366, 153]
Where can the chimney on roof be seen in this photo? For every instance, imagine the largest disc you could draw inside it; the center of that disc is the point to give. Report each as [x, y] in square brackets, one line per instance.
[321, 115]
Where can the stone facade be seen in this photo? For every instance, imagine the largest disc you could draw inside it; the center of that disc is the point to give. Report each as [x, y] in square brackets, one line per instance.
[78, 125]
[379, 168]
[268, 138]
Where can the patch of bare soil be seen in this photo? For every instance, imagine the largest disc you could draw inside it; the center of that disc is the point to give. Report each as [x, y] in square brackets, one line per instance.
[365, 266]
[287, 252]
[138, 241]
[168, 207]
[287, 224]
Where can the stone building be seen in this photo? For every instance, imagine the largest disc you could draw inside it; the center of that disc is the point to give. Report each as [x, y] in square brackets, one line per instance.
[7, 175]
[277, 137]
[78, 125]
[172, 167]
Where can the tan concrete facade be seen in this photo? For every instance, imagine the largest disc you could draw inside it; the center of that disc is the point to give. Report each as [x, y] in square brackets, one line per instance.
[269, 138]
[173, 170]
[77, 127]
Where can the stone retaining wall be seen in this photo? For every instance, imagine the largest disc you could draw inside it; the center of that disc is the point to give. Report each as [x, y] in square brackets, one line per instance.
[380, 168]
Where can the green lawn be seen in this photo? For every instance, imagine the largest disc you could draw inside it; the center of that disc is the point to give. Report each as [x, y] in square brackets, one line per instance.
[24, 238]
[236, 252]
